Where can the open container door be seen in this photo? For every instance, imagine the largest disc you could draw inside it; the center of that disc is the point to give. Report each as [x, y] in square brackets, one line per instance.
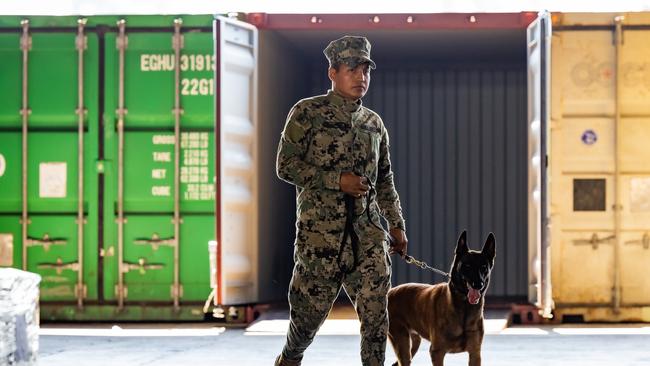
[451, 90]
[539, 50]
[236, 163]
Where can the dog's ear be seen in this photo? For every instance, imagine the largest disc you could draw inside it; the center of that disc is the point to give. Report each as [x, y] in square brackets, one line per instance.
[461, 245]
[489, 248]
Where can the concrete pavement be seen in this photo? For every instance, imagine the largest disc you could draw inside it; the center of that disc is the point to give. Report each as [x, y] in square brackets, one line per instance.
[336, 345]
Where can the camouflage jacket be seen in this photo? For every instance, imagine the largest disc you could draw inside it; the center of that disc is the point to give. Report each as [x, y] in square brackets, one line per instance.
[325, 136]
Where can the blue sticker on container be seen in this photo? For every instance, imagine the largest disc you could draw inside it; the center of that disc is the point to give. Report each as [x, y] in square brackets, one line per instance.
[589, 137]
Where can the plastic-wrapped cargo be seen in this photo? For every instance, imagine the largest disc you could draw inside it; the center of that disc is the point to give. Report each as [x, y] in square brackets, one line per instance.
[18, 317]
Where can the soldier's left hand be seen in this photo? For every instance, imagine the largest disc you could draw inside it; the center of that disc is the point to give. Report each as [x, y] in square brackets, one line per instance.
[401, 242]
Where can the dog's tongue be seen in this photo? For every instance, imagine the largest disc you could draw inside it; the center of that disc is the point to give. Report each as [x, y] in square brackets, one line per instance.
[473, 296]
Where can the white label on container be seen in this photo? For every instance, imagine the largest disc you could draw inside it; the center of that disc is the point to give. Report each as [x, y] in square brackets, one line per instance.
[166, 61]
[52, 180]
[162, 156]
[158, 173]
[3, 165]
[640, 195]
[194, 86]
[161, 191]
[163, 139]
[194, 168]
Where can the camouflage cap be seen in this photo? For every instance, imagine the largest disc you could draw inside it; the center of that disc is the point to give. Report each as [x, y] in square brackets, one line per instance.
[350, 50]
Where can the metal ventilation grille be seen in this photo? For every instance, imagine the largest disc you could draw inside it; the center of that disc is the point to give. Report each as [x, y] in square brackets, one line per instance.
[589, 195]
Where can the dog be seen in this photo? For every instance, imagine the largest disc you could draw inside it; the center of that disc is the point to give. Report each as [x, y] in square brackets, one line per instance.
[450, 314]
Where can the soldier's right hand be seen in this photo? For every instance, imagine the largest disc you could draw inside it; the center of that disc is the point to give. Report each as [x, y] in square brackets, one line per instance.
[354, 185]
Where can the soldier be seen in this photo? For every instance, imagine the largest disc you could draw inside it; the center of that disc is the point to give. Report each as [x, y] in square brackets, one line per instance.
[335, 151]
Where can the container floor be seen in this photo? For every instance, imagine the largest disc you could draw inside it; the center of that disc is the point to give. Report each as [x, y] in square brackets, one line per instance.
[337, 344]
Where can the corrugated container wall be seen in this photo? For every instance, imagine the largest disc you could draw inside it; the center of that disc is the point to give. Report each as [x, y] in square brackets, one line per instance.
[457, 122]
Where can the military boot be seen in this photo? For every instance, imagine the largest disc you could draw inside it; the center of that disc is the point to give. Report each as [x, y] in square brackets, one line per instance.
[281, 361]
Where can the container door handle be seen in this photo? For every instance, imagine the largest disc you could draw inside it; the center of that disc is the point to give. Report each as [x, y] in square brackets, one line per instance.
[645, 241]
[46, 242]
[156, 241]
[594, 241]
[141, 266]
[59, 266]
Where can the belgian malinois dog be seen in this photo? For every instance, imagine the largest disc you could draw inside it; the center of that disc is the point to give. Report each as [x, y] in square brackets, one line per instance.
[449, 315]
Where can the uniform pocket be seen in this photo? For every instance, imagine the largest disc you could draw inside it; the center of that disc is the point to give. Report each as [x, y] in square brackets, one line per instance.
[367, 151]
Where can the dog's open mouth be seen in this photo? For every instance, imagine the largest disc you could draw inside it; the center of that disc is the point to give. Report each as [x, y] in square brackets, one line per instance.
[473, 295]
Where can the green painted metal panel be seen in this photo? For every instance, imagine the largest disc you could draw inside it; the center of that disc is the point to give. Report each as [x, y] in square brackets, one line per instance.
[52, 80]
[149, 79]
[148, 284]
[10, 172]
[131, 312]
[58, 280]
[150, 21]
[149, 163]
[11, 76]
[57, 283]
[154, 284]
[52, 184]
[149, 172]
[196, 232]
[52, 173]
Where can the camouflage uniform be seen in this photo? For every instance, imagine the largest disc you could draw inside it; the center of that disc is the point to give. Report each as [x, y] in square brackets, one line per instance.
[325, 136]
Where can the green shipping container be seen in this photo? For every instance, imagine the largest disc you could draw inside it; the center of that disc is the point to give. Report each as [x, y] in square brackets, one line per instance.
[59, 185]
[142, 194]
[151, 268]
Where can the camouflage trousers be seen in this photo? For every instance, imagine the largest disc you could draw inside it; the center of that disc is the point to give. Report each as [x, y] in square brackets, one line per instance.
[314, 286]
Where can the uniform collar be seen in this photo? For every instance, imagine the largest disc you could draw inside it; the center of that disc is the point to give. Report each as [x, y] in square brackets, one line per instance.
[343, 103]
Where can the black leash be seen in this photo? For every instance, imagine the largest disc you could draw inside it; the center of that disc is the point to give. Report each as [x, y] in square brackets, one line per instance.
[407, 258]
[349, 232]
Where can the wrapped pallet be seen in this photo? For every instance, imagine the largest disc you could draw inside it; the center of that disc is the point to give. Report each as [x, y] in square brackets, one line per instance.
[18, 317]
